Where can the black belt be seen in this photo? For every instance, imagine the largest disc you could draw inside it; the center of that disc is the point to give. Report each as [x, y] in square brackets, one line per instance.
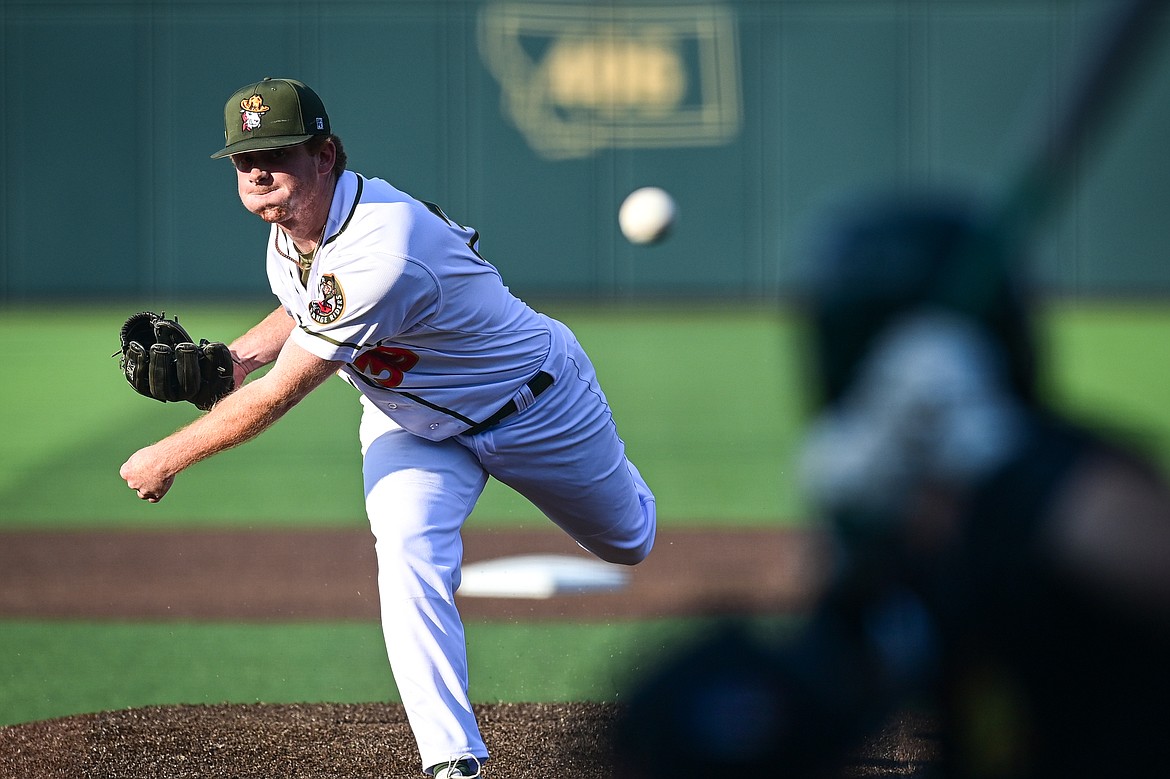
[537, 384]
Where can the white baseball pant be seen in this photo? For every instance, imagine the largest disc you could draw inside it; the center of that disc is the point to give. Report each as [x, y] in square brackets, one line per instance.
[562, 453]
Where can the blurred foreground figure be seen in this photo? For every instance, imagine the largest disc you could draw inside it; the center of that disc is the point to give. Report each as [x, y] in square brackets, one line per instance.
[999, 567]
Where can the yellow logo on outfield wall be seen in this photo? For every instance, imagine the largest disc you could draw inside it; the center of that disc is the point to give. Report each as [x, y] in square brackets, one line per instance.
[578, 78]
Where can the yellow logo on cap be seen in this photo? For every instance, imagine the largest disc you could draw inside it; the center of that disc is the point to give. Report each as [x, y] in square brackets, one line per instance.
[251, 110]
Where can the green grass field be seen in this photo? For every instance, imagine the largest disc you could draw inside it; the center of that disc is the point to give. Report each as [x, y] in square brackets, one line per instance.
[711, 402]
[52, 669]
[704, 399]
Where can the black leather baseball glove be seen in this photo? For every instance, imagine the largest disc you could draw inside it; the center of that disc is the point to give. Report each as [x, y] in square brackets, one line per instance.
[161, 361]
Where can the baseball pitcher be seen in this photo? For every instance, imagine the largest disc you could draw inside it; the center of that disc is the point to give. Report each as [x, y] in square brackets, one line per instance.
[459, 380]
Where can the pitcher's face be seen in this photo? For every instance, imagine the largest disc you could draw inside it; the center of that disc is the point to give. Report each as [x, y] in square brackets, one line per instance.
[280, 185]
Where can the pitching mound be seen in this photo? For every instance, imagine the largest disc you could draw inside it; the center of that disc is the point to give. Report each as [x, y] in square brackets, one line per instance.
[332, 741]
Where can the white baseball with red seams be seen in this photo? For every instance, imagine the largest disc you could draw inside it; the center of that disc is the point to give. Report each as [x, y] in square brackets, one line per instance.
[437, 345]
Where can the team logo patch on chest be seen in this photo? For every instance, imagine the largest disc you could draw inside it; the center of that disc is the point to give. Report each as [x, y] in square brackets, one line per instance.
[328, 307]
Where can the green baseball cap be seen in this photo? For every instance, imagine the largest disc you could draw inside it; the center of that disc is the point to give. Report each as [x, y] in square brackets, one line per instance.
[271, 114]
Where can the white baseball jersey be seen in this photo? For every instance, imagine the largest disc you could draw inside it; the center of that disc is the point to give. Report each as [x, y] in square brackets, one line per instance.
[427, 329]
[437, 346]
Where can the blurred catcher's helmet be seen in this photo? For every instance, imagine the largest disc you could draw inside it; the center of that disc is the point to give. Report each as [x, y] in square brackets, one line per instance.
[885, 260]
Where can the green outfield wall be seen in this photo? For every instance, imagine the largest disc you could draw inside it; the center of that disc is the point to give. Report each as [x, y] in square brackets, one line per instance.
[532, 120]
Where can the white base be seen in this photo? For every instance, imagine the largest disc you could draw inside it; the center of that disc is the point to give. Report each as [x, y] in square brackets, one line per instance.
[540, 576]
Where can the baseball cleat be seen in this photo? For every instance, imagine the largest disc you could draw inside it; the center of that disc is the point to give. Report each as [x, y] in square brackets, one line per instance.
[458, 769]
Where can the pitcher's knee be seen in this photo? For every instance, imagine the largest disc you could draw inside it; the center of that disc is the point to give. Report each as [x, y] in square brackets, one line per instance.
[640, 545]
[631, 553]
[629, 556]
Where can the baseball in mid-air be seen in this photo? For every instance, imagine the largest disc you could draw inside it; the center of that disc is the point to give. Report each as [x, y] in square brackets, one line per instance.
[647, 215]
